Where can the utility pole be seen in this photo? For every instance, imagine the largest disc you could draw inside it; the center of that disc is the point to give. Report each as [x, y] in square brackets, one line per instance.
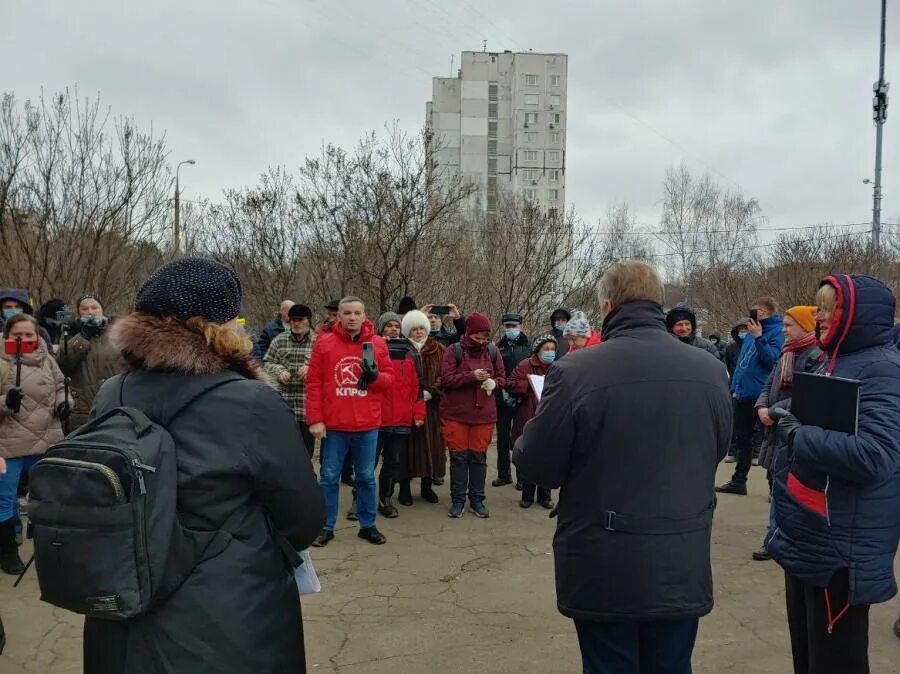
[879, 114]
[177, 229]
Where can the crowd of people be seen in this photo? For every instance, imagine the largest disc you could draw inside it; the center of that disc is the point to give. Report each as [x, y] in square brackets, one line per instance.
[423, 389]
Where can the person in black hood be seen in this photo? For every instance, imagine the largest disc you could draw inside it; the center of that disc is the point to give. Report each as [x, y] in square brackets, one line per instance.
[558, 320]
[733, 350]
[46, 318]
[514, 348]
[15, 301]
[681, 321]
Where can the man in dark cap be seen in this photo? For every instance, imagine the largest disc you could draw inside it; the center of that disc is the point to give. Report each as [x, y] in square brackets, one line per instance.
[287, 363]
[278, 325]
[331, 318]
[681, 321]
[558, 321]
[515, 347]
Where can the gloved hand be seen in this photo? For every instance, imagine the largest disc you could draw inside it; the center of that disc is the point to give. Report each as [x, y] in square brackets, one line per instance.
[489, 385]
[427, 396]
[91, 327]
[63, 411]
[787, 427]
[14, 398]
[369, 374]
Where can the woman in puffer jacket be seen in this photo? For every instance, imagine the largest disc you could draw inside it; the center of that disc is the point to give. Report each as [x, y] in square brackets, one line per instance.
[30, 413]
[837, 495]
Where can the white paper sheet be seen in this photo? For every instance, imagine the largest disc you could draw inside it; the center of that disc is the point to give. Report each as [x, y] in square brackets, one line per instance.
[537, 383]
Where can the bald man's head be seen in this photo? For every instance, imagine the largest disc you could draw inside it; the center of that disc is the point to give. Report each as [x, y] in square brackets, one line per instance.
[284, 309]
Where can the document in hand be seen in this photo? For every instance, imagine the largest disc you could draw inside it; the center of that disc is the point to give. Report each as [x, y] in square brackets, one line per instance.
[831, 403]
[537, 384]
[305, 575]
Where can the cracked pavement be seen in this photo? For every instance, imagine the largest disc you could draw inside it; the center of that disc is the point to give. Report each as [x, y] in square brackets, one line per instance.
[474, 595]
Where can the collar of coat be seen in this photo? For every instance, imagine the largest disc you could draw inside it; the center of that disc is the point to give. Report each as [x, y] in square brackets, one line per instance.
[632, 315]
[165, 343]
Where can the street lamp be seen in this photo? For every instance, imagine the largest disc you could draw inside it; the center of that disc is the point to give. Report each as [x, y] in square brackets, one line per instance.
[177, 231]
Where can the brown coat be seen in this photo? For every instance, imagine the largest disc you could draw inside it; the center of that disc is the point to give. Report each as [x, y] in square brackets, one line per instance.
[35, 427]
[426, 447]
[88, 363]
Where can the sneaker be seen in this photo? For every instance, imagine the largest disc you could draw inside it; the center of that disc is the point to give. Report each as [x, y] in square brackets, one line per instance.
[501, 482]
[547, 504]
[479, 509]
[387, 509]
[323, 538]
[456, 510]
[732, 487]
[731, 458]
[372, 535]
[525, 504]
[351, 514]
[762, 555]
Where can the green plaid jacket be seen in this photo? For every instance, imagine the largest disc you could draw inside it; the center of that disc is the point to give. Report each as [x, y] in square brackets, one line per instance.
[288, 354]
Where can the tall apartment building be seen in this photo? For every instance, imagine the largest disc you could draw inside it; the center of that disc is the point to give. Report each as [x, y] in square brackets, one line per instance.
[501, 122]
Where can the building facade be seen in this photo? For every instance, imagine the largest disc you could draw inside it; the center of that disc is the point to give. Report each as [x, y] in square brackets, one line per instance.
[501, 123]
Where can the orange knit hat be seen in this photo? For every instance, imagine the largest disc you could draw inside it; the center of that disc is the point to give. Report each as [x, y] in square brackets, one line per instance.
[805, 316]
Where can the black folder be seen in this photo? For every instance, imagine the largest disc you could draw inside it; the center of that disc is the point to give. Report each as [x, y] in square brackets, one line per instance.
[831, 403]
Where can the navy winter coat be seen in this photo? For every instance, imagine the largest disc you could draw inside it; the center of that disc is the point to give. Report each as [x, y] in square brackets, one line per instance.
[758, 357]
[837, 496]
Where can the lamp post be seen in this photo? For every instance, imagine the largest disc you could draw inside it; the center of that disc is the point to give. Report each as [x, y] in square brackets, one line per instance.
[177, 232]
[879, 114]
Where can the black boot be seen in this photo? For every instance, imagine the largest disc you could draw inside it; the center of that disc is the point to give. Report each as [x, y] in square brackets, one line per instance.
[405, 497]
[10, 562]
[427, 492]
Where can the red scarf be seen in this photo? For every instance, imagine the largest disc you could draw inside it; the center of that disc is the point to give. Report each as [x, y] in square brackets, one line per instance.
[787, 358]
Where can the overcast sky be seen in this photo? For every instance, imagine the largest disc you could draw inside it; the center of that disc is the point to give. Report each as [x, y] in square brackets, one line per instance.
[769, 96]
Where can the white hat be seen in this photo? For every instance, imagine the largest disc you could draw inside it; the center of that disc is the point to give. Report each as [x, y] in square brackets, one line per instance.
[412, 320]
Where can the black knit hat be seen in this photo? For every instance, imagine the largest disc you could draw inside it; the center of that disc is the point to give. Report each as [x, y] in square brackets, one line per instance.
[300, 311]
[191, 286]
[333, 305]
[89, 296]
[406, 304]
[540, 341]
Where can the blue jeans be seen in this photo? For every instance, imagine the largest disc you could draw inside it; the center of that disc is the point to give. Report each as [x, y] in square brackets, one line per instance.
[663, 647]
[9, 485]
[361, 446]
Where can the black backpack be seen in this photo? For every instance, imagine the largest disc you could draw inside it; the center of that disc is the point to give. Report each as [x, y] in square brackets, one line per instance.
[107, 540]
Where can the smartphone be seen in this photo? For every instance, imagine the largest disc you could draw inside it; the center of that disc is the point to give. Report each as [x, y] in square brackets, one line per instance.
[369, 353]
[10, 346]
[440, 309]
[399, 348]
[754, 315]
[66, 318]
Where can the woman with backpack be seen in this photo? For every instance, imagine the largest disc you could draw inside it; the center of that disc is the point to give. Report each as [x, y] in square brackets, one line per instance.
[472, 374]
[245, 493]
[520, 385]
[32, 403]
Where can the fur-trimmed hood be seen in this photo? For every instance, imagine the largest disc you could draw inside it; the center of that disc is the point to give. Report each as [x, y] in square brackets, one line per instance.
[164, 343]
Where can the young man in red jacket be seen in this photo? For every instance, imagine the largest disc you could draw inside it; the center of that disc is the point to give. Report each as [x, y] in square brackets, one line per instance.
[343, 409]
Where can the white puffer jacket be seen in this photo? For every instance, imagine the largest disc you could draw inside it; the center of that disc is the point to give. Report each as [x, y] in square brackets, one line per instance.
[36, 426]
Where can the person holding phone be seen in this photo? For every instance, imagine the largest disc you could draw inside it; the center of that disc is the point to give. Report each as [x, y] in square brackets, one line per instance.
[760, 351]
[436, 314]
[287, 364]
[32, 403]
[349, 372]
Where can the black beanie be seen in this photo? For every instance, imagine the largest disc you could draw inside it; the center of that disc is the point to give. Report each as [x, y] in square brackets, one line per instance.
[191, 286]
[406, 305]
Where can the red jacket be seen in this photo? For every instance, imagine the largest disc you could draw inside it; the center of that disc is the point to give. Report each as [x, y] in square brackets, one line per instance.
[464, 400]
[519, 385]
[332, 396]
[403, 402]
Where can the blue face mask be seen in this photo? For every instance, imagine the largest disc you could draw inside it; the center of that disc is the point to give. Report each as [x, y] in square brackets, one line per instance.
[9, 313]
[512, 334]
[560, 325]
[547, 356]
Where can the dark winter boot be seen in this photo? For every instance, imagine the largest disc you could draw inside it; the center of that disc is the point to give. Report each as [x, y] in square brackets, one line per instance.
[10, 562]
[459, 476]
[405, 497]
[427, 492]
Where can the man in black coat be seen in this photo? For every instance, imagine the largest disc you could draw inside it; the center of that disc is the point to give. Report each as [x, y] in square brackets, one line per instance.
[632, 431]
[681, 321]
[279, 324]
[514, 347]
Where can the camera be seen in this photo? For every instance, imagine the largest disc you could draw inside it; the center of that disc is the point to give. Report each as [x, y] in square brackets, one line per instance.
[63, 319]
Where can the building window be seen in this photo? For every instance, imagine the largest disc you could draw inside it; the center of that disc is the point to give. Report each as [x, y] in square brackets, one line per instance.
[532, 99]
[554, 195]
[555, 137]
[531, 80]
[530, 174]
[555, 100]
[492, 128]
[556, 117]
[492, 166]
[529, 194]
[553, 174]
[531, 118]
[531, 137]
[492, 111]
[553, 155]
[555, 80]
[530, 155]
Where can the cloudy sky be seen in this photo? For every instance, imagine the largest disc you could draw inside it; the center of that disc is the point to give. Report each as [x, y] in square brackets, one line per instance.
[770, 97]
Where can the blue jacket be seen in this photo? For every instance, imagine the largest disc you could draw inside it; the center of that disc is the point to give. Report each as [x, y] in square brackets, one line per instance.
[837, 496]
[757, 359]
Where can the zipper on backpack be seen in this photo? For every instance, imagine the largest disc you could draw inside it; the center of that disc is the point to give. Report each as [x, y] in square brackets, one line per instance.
[106, 471]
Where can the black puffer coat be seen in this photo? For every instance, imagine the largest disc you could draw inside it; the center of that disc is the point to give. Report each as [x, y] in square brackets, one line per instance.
[632, 431]
[239, 450]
